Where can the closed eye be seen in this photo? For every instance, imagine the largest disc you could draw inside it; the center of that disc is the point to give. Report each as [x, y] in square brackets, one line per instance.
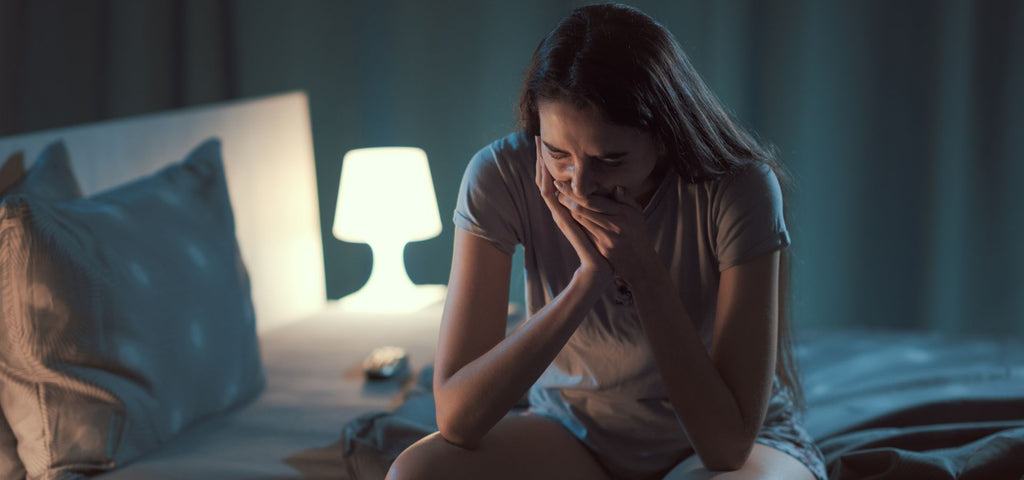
[611, 159]
[603, 161]
[555, 153]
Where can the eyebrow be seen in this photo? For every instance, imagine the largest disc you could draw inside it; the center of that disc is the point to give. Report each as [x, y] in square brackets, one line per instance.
[609, 155]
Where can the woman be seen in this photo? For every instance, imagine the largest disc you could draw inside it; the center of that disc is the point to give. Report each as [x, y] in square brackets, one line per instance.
[652, 227]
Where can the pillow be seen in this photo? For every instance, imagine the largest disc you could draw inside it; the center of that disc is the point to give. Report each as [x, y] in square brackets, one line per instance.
[12, 170]
[10, 464]
[49, 179]
[129, 317]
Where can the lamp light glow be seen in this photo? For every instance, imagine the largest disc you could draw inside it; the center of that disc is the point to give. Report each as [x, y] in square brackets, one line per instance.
[386, 199]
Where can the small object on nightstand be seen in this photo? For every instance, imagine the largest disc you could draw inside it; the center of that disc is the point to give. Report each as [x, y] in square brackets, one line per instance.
[384, 362]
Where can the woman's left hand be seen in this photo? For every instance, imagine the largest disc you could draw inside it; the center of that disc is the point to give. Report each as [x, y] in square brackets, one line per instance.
[615, 225]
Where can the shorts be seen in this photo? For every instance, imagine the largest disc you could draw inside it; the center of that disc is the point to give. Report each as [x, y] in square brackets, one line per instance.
[782, 430]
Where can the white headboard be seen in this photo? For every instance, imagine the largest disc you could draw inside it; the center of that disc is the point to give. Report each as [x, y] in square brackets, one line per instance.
[268, 156]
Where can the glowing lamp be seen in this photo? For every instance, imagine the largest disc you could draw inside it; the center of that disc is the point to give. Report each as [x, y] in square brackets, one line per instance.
[386, 200]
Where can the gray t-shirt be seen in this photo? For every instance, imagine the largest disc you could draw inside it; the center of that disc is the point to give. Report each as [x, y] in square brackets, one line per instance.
[604, 385]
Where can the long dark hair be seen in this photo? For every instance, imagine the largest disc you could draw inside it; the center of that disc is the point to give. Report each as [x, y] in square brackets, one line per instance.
[633, 70]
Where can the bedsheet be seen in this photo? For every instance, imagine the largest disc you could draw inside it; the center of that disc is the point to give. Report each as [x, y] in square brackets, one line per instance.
[891, 405]
[314, 387]
[881, 404]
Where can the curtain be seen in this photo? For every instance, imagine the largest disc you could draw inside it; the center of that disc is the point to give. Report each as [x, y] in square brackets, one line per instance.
[901, 122]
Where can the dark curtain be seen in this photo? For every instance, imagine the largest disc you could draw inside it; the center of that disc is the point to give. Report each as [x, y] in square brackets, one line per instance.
[68, 62]
[900, 121]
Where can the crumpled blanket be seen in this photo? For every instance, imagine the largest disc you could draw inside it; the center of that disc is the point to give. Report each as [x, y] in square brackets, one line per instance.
[888, 404]
[982, 440]
[880, 404]
[373, 441]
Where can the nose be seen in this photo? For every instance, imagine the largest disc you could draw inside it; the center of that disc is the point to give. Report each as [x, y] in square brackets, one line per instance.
[583, 183]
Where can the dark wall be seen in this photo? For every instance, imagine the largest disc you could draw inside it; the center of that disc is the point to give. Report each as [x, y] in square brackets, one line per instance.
[901, 121]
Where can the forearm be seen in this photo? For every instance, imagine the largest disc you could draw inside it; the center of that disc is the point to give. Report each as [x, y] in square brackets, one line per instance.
[702, 400]
[473, 399]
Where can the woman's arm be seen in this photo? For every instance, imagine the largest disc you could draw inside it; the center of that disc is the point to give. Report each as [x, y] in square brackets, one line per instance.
[479, 374]
[721, 398]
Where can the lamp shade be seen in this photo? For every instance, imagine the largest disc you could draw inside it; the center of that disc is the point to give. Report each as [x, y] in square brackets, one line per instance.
[386, 194]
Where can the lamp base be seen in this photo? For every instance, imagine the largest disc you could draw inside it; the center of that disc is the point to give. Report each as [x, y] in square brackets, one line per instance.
[408, 299]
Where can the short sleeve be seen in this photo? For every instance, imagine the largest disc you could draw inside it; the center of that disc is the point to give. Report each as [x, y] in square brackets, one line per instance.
[488, 204]
[749, 216]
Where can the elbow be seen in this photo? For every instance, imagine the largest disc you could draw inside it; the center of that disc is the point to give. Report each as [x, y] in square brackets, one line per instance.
[458, 436]
[724, 466]
[454, 428]
[727, 461]
[729, 455]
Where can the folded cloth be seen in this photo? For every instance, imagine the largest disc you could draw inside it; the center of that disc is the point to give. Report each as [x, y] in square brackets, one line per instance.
[981, 439]
[881, 405]
[373, 441]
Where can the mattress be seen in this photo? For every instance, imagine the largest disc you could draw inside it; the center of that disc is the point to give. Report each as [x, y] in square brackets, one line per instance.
[873, 395]
[856, 378]
[314, 387]
[892, 405]
[881, 404]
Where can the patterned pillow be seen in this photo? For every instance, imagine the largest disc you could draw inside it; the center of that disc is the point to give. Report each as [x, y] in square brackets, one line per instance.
[49, 179]
[12, 170]
[128, 316]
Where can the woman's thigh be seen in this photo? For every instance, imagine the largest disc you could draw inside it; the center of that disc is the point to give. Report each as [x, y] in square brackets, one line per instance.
[517, 447]
[764, 463]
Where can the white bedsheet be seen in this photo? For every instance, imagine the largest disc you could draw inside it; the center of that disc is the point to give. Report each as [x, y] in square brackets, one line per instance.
[314, 387]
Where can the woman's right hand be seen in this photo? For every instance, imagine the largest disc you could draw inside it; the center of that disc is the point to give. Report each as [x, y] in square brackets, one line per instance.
[592, 263]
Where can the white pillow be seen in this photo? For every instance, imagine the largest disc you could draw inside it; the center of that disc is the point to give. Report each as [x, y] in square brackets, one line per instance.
[129, 317]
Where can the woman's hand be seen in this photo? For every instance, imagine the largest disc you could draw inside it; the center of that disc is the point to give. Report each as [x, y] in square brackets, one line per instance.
[614, 225]
[591, 261]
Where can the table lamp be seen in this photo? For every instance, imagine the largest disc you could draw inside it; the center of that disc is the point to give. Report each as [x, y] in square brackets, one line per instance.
[386, 200]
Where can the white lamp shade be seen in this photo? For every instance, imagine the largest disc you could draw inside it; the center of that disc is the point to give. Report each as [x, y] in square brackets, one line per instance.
[386, 194]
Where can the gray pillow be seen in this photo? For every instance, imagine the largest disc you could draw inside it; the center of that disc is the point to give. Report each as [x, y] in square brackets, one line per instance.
[49, 179]
[12, 170]
[10, 464]
[129, 318]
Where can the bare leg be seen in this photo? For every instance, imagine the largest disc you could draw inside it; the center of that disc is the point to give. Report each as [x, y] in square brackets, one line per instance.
[517, 447]
[764, 463]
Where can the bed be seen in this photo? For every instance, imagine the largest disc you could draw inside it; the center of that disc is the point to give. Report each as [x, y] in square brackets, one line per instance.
[309, 351]
[881, 404]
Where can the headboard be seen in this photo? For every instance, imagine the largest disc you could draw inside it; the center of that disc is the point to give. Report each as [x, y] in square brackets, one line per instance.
[268, 157]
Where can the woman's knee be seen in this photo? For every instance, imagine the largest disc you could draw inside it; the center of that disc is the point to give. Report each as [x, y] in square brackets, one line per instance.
[517, 447]
[420, 461]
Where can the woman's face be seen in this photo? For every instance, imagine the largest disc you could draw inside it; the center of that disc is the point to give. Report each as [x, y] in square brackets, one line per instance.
[593, 156]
